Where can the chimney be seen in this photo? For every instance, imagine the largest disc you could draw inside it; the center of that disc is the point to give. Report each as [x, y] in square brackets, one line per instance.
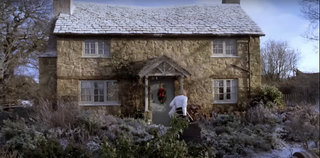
[230, 1]
[62, 7]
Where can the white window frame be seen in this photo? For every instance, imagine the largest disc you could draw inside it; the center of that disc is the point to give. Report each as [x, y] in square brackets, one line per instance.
[92, 95]
[224, 48]
[96, 53]
[233, 91]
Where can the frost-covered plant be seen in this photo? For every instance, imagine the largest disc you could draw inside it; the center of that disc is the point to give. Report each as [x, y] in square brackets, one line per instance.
[229, 135]
[7, 153]
[63, 114]
[166, 145]
[302, 125]
[94, 144]
[18, 136]
[52, 148]
[78, 134]
[260, 114]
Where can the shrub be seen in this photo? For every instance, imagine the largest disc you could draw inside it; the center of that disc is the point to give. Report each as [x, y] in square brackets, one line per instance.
[53, 149]
[90, 121]
[166, 145]
[200, 150]
[229, 135]
[18, 136]
[260, 114]
[62, 115]
[269, 95]
[302, 125]
[7, 153]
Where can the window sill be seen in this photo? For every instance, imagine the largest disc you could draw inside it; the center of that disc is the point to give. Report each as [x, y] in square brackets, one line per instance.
[83, 57]
[106, 104]
[233, 102]
[223, 56]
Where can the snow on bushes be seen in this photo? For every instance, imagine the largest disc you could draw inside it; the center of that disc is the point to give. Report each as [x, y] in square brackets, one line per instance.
[302, 124]
[229, 135]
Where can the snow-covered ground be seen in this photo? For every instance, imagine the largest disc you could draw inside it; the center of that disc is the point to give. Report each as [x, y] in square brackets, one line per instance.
[285, 152]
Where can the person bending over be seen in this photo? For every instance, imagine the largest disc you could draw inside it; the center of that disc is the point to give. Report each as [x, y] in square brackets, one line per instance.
[179, 104]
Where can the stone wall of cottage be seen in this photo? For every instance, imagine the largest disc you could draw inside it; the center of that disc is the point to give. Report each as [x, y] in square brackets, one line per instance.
[194, 54]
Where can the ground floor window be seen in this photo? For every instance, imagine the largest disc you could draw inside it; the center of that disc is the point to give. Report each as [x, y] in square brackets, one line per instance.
[225, 90]
[98, 92]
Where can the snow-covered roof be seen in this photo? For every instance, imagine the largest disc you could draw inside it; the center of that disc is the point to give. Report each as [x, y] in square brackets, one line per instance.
[95, 18]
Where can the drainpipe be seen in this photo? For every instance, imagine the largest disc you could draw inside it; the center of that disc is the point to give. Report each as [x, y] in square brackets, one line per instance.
[249, 66]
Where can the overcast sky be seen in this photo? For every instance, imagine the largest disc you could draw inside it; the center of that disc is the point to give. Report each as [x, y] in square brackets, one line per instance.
[278, 19]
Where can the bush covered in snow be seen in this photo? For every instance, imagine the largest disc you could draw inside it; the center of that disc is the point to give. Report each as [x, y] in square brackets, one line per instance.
[88, 131]
[302, 124]
[94, 134]
[230, 135]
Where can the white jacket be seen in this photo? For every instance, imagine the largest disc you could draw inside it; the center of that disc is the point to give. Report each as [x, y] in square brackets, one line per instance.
[179, 102]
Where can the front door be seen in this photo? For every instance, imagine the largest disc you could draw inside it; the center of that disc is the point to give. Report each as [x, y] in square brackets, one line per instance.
[160, 111]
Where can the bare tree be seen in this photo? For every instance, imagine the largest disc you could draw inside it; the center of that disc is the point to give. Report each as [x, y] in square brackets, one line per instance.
[279, 60]
[23, 33]
[310, 11]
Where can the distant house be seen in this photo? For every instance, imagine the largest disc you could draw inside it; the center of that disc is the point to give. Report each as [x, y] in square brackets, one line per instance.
[212, 51]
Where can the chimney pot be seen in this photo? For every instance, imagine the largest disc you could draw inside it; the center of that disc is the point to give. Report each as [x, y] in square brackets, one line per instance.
[230, 1]
[62, 7]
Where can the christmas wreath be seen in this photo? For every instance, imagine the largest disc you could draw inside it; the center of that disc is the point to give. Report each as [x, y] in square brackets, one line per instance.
[162, 95]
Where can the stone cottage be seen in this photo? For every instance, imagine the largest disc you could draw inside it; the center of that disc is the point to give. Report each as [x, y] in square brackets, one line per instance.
[212, 51]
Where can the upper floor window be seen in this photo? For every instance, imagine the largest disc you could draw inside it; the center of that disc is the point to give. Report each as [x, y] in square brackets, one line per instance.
[96, 47]
[225, 90]
[99, 92]
[224, 47]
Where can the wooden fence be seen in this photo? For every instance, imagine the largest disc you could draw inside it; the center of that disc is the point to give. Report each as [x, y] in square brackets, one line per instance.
[295, 99]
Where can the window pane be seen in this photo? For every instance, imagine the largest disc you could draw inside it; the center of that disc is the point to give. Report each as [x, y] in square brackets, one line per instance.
[96, 99]
[216, 91]
[101, 99]
[86, 47]
[112, 91]
[230, 47]
[220, 89]
[216, 97]
[85, 91]
[228, 96]
[98, 91]
[92, 47]
[217, 47]
[228, 83]
[228, 89]
[220, 96]
[100, 46]
[89, 46]
[228, 86]
[85, 84]
[216, 83]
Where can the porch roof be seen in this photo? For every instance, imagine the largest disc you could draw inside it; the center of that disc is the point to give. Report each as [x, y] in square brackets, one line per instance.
[161, 66]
